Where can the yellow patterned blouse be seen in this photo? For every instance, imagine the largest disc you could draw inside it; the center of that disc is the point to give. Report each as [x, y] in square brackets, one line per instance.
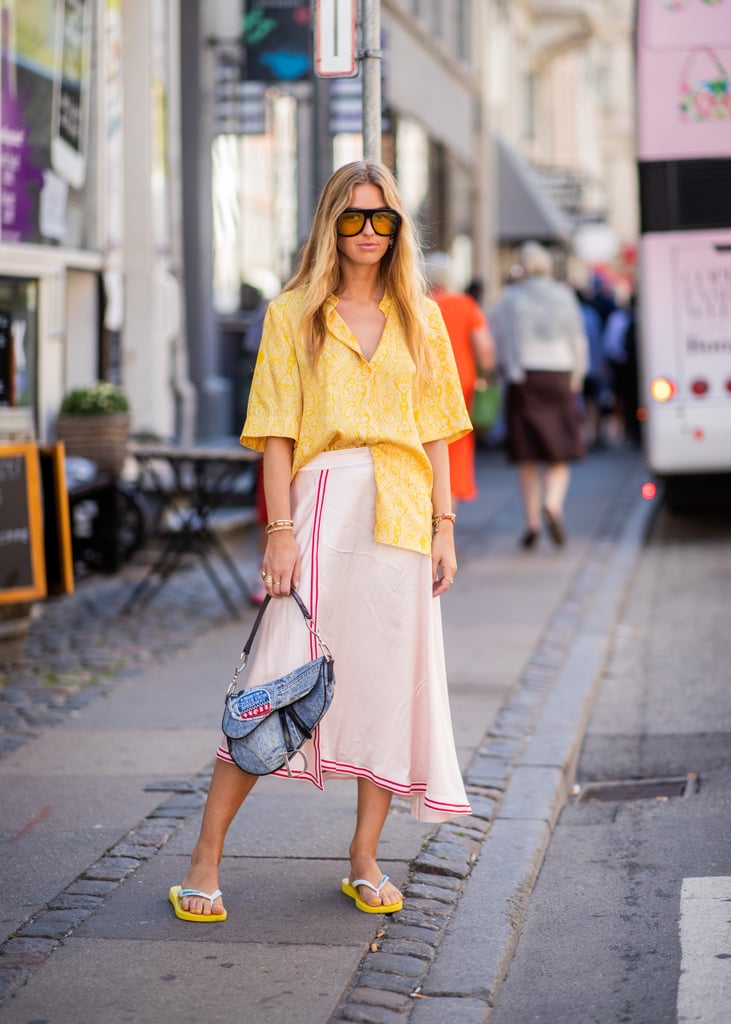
[349, 402]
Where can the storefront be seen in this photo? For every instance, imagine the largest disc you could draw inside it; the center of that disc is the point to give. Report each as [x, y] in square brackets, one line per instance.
[49, 259]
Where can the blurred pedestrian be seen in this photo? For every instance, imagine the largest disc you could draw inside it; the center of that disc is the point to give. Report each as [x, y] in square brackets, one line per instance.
[542, 351]
[476, 290]
[474, 352]
[354, 401]
[619, 345]
[597, 391]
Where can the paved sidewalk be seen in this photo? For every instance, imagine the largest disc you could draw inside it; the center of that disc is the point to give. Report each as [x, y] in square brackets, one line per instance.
[102, 805]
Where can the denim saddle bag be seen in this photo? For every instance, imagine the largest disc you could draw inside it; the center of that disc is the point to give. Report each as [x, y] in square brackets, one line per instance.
[266, 725]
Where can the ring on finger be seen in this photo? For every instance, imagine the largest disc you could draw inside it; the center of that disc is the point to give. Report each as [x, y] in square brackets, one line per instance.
[276, 583]
[267, 578]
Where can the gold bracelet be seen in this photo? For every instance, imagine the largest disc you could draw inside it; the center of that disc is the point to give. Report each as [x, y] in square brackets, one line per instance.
[436, 520]
[279, 524]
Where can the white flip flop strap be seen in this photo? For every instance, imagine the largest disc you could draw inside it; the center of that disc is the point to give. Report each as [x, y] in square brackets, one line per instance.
[212, 896]
[364, 881]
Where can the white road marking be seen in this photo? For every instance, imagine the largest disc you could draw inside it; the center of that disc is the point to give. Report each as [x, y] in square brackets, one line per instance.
[704, 989]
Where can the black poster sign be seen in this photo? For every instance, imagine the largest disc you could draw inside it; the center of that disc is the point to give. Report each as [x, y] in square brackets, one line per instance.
[277, 37]
[22, 564]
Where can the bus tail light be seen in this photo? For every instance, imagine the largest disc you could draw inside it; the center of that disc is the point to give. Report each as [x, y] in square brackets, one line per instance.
[662, 389]
[649, 490]
[728, 385]
[699, 386]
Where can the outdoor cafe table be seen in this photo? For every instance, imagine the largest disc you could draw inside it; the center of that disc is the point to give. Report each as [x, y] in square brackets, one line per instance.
[187, 485]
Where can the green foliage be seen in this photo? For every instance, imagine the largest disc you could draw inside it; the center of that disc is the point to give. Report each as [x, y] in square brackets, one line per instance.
[98, 399]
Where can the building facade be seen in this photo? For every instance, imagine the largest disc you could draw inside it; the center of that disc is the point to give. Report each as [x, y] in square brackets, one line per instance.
[90, 246]
[161, 160]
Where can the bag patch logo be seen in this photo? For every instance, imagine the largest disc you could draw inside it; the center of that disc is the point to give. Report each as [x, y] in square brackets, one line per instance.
[251, 704]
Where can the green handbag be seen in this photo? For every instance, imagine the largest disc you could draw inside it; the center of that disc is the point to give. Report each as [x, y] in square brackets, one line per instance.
[486, 401]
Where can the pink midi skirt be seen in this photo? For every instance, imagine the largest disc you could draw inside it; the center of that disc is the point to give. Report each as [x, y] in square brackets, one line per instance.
[372, 604]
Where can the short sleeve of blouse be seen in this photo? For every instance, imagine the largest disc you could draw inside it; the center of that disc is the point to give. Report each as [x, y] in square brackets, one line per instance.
[275, 399]
[440, 411]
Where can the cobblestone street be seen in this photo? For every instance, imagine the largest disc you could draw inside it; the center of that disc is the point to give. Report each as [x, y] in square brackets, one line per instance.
[80, 644]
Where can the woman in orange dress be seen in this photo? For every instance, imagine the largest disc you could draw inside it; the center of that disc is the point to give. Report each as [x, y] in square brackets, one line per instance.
[473, 351]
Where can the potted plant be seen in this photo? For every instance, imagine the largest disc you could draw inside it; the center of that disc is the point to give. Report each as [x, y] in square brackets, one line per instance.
[93, 422]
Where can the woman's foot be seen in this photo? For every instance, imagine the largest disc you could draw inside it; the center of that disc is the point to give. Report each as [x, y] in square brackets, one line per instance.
[529, 539]
[368, 868]
[205, 879]
[555, 527]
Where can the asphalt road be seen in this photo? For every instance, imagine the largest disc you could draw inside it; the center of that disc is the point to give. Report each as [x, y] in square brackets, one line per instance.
[629, 920]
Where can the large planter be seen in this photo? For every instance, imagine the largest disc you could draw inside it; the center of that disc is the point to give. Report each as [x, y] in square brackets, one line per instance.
[103, 439]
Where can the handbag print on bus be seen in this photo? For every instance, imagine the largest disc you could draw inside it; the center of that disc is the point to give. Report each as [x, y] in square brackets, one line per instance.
[704, 87]
[266, 725]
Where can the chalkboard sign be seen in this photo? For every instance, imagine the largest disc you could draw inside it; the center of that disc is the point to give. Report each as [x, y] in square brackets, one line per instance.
[22, 562]
[56, 520]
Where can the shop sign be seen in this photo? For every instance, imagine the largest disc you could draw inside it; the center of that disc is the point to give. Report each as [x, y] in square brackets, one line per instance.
[277, 39]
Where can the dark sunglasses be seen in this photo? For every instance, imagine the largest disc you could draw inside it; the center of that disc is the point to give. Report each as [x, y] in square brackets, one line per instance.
[352, 221]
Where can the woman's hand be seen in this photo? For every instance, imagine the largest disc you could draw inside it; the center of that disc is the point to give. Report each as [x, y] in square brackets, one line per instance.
[281, 564]
[443, 558]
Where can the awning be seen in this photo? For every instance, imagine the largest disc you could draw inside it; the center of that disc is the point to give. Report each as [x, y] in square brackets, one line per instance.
[524, 211]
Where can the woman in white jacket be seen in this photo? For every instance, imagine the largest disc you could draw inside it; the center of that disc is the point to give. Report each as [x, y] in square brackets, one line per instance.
[543, 354]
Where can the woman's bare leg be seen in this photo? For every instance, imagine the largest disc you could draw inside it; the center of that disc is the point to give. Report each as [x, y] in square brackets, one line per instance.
[229, 788]
[373, 805]
[558, 476]
[530, 491]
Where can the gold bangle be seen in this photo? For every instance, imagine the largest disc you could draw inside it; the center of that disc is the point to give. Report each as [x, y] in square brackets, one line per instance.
[279, 524]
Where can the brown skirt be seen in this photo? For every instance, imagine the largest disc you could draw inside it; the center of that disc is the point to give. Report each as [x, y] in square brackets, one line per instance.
[542, 420]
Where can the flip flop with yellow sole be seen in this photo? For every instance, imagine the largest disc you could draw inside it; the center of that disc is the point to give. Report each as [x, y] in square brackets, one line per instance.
[177, 893]
[351, 889]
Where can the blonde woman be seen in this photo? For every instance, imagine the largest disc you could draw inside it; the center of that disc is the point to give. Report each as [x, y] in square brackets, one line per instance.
[354, 400]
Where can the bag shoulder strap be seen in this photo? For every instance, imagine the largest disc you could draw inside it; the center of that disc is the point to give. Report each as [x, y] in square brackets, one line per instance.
[257, 621]
[244, 657]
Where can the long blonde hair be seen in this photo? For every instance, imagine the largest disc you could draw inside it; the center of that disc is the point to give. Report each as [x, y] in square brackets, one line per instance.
[319, 266]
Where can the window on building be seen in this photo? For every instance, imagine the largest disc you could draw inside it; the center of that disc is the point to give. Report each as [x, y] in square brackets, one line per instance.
[412, 167]
[463, 31]
[416, 8]
[436, 18]
[18, 341]
[529, 112]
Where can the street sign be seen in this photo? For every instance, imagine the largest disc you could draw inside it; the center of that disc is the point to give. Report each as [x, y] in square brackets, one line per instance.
[335, 39]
